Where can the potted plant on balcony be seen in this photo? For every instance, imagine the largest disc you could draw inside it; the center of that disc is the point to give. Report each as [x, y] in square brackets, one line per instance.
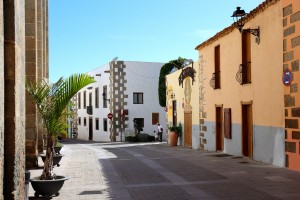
[175, 132]
[51, 101]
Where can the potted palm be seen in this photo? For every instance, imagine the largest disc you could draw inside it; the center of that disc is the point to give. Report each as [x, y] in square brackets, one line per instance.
[175, 132]
[51, 101]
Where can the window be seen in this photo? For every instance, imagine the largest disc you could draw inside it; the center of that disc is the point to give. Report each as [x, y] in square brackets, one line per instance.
[84, 121]
[97, 97]
[138, 123]
[104, 124]
[90, 99]
[104, 96]
[84, 99]
[217, 68]
[138, 98]
[79, 120]
[246, 57]
[79, 100]
[97, 123]
[155, 118]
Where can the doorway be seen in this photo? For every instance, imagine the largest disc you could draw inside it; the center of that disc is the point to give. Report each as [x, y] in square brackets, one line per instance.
[90, 128]
[219, 128]
[247, 130]
[188, 129]
[174, 104]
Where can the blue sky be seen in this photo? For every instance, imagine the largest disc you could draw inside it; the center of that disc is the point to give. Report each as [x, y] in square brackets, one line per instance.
[86, 34]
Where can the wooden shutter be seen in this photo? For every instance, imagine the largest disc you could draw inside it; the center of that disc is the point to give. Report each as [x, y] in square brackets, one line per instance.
[227, 123]
[155, 118]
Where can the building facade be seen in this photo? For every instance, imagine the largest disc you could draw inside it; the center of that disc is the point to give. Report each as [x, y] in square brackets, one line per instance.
[125, 93]
[291, 55]
[248, 88]
[183, 103]
[23, 56]
[242, 106]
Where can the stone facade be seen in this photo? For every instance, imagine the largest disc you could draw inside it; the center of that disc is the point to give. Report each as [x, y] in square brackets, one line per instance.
[291, 55]
[18, 57]
[36, 35]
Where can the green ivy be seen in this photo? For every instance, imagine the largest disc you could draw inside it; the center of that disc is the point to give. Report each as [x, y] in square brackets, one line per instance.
[165, 70]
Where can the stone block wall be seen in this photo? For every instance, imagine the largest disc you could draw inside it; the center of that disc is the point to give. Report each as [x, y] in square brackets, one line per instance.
[14, 99]
[18, 57]
[291, 56]
[36, 26]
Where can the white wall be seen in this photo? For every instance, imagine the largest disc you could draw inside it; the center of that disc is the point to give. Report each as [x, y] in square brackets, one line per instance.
[141, 77]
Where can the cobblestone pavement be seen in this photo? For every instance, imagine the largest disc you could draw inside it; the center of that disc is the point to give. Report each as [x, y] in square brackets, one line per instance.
[154, 171]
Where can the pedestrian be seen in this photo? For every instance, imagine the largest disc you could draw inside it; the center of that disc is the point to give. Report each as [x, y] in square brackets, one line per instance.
[160, 131]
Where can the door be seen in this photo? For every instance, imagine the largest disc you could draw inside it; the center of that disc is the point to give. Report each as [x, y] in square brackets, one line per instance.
[247, 130]
[90, 128]
[174, 113]
[219, 128]
[188, 129]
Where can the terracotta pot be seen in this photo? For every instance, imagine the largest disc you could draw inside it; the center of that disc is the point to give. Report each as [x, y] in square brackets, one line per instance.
[173, 138]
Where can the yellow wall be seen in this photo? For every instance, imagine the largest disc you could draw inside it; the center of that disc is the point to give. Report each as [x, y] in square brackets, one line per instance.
[173, 86]
[266, 89]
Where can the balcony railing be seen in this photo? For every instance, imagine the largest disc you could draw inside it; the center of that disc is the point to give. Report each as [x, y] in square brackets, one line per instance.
[89, 110]
[243, 75]
[215, 81]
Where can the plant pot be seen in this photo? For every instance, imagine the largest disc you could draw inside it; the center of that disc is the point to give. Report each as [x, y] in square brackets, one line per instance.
[57, 149]
[173, 138]
[56, 158]
[47, 188]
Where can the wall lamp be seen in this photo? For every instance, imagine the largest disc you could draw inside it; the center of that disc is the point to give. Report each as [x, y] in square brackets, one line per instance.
[172, 95]
[104, 98]
[238, 18]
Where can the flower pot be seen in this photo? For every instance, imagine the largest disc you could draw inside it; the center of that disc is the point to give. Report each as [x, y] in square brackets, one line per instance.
[57, 149]
[47, 188]
[173, 138]
[56, 158]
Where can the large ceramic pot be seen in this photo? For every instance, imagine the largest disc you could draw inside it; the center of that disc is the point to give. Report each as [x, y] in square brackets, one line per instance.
[47, 188]
[173, 138]
[56, 158]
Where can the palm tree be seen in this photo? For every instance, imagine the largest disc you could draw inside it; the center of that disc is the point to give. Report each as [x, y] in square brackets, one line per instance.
[51, 100]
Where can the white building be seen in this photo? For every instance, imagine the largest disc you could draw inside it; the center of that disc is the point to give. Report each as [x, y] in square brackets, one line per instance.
[128, 91]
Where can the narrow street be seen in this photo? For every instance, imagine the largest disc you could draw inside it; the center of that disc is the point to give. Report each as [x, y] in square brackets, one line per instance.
[154, 171]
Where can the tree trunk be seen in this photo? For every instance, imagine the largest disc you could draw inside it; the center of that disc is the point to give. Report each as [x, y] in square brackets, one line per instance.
[48, 164]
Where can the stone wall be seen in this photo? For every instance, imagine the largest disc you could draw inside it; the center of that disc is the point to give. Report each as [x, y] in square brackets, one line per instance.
[36, 20]
[291, 55]
[18, 56]
[14, 98]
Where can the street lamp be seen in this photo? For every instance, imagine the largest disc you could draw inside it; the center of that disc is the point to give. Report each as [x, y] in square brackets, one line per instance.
[238, 18]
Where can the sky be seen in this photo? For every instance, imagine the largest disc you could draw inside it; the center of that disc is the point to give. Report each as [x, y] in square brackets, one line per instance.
[86, 34]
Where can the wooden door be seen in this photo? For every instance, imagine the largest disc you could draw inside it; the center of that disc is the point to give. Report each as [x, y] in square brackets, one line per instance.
[90, 128]
[219, 129]
[174, 113]
[247, 130]
[188, 129]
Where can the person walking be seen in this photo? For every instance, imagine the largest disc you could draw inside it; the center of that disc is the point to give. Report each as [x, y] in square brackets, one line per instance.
[160, 131]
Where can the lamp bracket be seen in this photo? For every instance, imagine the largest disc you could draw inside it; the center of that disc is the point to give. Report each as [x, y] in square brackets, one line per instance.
[255, 32]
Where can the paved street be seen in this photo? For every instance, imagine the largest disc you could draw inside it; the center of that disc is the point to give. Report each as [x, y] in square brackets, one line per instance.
[154, 171]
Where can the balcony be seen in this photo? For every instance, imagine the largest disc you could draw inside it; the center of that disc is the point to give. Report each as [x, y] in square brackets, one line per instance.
[89, 110]
[215, 81]
[243, 75]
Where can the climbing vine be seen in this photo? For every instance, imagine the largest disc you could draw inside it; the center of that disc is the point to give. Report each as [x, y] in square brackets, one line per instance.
[165, 70]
